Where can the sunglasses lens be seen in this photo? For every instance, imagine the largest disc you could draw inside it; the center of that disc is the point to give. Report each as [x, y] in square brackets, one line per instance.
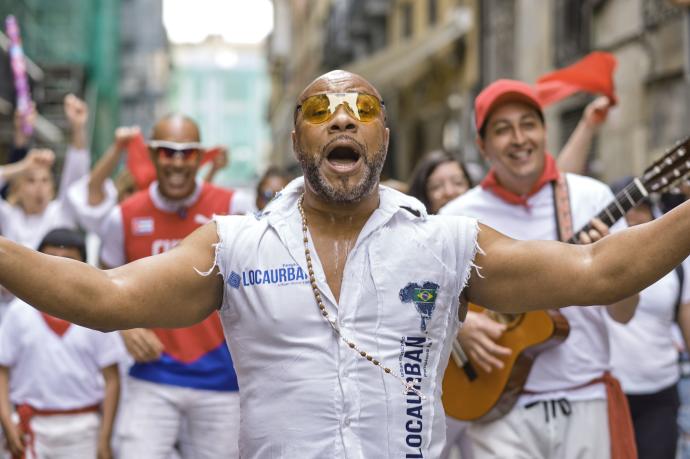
[164, 152]
[315, 109]
[368, 107]
[188, 154]
[319, 108]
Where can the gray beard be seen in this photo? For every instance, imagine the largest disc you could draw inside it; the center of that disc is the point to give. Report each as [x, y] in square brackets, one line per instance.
[343, 194]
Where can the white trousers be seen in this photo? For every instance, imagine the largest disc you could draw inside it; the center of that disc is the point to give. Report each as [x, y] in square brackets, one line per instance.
[155, 417]
[67, 436]
[458, 445]
[545, 431]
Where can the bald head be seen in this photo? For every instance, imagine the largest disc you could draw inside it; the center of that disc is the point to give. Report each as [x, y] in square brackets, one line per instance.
[337, 81]
[176, 127]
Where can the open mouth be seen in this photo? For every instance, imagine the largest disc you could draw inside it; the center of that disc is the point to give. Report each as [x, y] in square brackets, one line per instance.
[177, 179]
[343, 156]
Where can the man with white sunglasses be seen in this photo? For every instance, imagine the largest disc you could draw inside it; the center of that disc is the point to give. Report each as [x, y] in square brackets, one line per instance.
[340, 301]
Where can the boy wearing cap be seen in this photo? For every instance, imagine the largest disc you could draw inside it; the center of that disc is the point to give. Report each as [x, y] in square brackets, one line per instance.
[563, 411]
[61, 378]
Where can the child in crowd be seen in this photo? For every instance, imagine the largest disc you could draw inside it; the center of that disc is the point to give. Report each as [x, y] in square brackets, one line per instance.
[61, 378]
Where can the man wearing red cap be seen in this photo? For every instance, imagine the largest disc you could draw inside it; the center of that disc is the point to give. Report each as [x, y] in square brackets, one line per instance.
[563, 411]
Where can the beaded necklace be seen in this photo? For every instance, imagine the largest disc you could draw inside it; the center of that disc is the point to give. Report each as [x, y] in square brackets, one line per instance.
[409, 387]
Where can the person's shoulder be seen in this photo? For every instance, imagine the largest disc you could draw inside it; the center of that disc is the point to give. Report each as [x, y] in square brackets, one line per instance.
[216, 190]
[390, 197]
[458, 205]
[585, 182]
[18, 311]
[588, 188]
[138, 199]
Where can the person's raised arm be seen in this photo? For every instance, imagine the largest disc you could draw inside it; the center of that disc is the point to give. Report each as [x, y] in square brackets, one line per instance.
[519, 276]
[573, 155]
[160, 291]
[219, 162]
[105, 166]
[77, 158]
[35, 158]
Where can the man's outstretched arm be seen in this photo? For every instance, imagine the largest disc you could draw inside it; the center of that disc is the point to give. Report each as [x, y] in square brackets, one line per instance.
[159, 291]
[518, 276]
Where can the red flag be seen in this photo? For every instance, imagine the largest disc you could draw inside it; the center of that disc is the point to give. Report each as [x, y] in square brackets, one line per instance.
[593, 73]
[139, 162]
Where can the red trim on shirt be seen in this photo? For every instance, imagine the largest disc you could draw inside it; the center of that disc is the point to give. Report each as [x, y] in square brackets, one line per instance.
[549, 174]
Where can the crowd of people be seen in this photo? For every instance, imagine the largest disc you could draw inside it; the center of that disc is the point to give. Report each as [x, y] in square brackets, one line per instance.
[279, 326]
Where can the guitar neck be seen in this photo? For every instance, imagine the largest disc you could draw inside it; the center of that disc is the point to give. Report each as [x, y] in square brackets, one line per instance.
[626, 199]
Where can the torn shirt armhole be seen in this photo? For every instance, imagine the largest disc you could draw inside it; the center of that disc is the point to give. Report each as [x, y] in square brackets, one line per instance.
[476, 249]
[216, 253]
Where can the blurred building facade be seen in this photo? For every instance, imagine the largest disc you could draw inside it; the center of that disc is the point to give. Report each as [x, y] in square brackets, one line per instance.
[421, 55]
[83, 47]
[224, 87]
[526, 38]
[430, 58]
[145, 63]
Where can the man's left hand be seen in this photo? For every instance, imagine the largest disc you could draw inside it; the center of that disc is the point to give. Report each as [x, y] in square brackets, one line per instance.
[76, 111]
[598, 231]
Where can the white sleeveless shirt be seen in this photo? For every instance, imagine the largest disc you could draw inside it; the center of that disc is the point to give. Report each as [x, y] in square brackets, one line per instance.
[304, 392]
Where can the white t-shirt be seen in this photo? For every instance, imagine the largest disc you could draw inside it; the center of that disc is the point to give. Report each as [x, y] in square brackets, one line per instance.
[91, 217]
[643, 354]
[584, 355]
[304, 392]
[112, 232]
[29, 230]
[52, 372]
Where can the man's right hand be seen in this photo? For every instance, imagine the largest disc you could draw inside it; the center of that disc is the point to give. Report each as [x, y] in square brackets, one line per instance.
[478, 336]
[142, 344]
[124, 134]
[596, 112]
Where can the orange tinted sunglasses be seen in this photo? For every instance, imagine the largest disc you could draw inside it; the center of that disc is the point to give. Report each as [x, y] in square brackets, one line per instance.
[320, 108]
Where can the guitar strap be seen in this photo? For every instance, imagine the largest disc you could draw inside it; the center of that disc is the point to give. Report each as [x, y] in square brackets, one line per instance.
[561, 202]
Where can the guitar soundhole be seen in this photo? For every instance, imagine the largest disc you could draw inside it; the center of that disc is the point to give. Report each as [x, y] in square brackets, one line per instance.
[509, 320]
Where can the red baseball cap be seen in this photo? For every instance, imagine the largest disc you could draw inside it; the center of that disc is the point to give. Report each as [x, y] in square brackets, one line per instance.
[499, 92]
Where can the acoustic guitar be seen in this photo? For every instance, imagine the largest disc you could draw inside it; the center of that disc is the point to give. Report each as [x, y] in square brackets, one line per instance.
[471, 394]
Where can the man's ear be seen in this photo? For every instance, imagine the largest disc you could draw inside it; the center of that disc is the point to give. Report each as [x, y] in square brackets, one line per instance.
[387, 138]
[293, 135]
[480, 145]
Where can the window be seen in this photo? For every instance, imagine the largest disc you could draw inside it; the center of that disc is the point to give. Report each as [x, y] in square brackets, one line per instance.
[432, 11]
[407, 18]
[573, 29]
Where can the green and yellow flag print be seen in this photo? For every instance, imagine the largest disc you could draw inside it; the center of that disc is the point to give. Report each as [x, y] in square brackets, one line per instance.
[424, 295]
